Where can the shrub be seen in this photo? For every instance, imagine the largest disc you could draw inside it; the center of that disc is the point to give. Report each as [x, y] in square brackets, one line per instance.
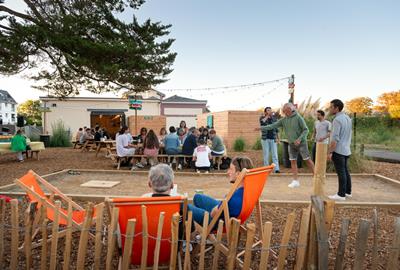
[257, 145]
[239, 144]
[61, 136]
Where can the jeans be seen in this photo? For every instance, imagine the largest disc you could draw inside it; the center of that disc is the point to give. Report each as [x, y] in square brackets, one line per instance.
[269, 145]
[201, 204]
[342, 170]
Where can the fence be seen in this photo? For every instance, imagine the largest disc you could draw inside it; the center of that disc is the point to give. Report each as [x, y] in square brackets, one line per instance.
[312, 246]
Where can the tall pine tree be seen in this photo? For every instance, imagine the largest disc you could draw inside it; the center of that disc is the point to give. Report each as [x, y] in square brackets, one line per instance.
[71, 45]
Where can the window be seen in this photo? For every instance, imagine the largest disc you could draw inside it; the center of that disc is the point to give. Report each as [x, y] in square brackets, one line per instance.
[54, 105]
[6, 115]
[13, 107]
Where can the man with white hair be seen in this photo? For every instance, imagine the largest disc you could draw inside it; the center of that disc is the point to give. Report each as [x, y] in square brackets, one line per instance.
[296, 131]
[161, 181]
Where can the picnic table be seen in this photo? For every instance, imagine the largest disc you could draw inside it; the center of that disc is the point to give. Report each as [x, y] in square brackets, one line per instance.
[36, 147]
[108, 144]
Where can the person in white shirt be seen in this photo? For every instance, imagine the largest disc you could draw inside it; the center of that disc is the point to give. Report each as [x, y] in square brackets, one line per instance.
[322, 131]
[124, 148]
[202, 156]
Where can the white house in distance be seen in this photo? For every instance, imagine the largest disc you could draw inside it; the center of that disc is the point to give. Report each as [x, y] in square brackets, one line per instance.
[112, 113]
[8, 109]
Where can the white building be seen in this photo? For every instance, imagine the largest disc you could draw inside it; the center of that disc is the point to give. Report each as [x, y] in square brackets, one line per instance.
[8, 109]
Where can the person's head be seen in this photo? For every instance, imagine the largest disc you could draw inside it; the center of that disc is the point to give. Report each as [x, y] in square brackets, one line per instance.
[191, 130]
[181, 132]
[336, 106]
[97, 128]
[196, 132]
[201, 141]
[163, 131]
[80, 129]
[143, 131]
[320, 115]
[151, 140]
[88, 130]
[288, 109]
[161, 178]
[19, 132]
[172, 129]
[237, 165]
[182, 124]
[205, 132]
[212, 133]
[268, 111]
[123, 130]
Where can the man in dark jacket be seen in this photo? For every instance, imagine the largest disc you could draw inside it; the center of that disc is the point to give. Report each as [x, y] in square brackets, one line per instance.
[269, 139]
[190, 144]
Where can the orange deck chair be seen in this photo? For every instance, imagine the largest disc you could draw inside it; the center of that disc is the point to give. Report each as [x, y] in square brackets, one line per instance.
[134, 208]
[30, 183]
[253, 183]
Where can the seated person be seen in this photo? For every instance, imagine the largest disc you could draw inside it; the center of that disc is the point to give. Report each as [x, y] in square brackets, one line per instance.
[172, 144]
[217, 146]
[182, 136]
[204, 134]
[203, 203]
[124, 148]
[189, 145]
[151, 148]
[202, 156]
[97, 134]
[18, 144]
[79, 134]
[87, 135]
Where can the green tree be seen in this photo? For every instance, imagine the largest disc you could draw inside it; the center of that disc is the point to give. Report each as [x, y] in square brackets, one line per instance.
[361, 105]
[32, 112]
[75, 45]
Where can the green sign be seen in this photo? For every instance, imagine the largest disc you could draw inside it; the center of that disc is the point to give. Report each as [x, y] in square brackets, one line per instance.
[135, 104]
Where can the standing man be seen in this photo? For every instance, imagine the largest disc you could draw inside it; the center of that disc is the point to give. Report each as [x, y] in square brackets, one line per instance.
[321, 133]
[269, 139]
[296, 131]
[339, 149]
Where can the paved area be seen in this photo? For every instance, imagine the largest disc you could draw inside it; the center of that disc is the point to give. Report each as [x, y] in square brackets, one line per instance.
[383, 155]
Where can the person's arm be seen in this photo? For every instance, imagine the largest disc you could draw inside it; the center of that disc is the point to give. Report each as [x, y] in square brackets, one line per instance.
[334, 138]
[194, 155]
[277, 124]
[314, 133]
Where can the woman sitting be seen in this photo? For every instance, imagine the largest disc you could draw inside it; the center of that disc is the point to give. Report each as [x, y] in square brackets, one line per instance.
[203, 203]
[18, 144]
[151, 148]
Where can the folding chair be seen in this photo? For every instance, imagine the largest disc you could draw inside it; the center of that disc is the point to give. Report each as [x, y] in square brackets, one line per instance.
[147, 212]
[30, 184]
[253, 183]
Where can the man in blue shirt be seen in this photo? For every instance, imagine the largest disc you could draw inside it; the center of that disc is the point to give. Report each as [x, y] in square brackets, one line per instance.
[189, 145]
[269, 138]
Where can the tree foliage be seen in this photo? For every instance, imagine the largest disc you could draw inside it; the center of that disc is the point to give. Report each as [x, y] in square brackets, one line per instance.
[389, 103]
[361, 105]
[32, 112]
[70, 45]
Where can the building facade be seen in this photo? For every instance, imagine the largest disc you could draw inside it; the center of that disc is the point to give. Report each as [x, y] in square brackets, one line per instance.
[8, 109]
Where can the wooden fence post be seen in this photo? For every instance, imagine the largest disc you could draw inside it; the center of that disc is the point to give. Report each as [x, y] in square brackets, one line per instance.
[344, 230]
[28, 234]
[14, 234]
[361, 244]
[158, 241]
[175, 239]
[217, 245]
[145, 238]
[303, 239]
[2, 224]
[285, 240]
[320, 169]
[233, 242]
[54, 236]
[188, 227]
[375, 245]
[112, 237]
[129, 238]
[267, 233]
[83, 240]
[99, 227]
[322, 235]
[203, 241]
[395, 249]
[251, 230]
[68, 238]
[43, 254]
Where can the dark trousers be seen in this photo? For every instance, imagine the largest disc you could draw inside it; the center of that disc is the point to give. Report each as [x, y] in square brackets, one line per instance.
[342, 170]
[203, 168]
[314, 152]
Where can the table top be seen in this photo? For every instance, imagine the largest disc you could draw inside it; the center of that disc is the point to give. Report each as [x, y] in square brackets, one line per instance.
[35, 146]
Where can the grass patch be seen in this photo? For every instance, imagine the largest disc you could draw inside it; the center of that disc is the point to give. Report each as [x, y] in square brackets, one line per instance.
[60, 137]
[239, 145]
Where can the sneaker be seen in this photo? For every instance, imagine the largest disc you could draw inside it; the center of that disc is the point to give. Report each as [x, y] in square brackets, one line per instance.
[134, 168]
[337, 198]
[198, 171]
[294, 184]
[184, 247]
[349, 195]
[139, 165]
[278, 171]
[180, 167]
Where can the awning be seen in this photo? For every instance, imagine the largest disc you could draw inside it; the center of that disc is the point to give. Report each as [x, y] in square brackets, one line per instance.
[107, 111]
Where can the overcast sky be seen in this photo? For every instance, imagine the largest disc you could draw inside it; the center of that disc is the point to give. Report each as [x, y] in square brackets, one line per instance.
[336, 49]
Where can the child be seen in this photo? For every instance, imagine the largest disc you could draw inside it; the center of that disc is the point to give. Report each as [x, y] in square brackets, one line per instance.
[202, 156]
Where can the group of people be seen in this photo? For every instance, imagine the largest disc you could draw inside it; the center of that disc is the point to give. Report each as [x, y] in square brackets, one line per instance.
[95, 134]
[337, 135]
[200, 144]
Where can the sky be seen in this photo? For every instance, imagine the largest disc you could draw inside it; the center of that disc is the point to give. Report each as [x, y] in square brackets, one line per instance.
[335, 49]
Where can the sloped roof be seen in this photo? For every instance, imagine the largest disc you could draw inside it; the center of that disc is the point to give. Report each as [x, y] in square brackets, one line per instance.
[179, 99]
[6, 97]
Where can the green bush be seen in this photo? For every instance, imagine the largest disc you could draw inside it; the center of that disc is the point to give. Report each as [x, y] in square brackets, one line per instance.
[60, 137]
[239, 144]
[257, 145]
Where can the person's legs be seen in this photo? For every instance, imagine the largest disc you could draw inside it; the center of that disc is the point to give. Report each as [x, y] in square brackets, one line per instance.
[305, 154]
[20, 157]
[293, 153]
[202, 203]
[274, 152]
[339, 163]
[293, 165]
[348, 176]
[265, 149]
[314, 151]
